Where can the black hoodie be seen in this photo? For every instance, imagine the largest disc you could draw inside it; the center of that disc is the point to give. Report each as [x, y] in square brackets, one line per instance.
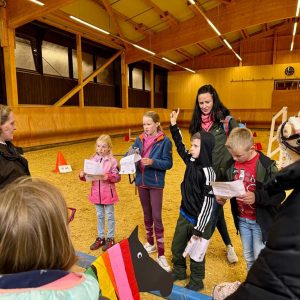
[197, 197]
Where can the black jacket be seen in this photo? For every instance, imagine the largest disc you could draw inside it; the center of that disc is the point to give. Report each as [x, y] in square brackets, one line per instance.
[275, 275]
[266, 206]
[197, 197]
[12, 164]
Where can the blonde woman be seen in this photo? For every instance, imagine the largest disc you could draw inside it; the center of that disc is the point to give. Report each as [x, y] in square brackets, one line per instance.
[35, 246]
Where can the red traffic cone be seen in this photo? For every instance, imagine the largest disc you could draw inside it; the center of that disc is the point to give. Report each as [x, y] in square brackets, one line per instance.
[254, 134]
[258, 146]
[60, 161]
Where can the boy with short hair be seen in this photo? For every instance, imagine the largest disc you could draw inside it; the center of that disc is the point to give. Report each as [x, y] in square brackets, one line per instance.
[196, 204]
[253, 213]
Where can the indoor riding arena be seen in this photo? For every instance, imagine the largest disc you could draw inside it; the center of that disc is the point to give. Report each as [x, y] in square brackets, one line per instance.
[73, 70]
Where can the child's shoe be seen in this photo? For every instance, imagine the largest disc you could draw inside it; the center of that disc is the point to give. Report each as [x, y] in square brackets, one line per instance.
[150, 248]
[163, 263]
[195, 286]
[109, 243]
[231, 255]
[98, 243]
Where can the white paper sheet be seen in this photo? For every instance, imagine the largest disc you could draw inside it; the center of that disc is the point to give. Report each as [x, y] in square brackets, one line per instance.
[127, 164]
[228, 189]
[92, 168]
[196, 249]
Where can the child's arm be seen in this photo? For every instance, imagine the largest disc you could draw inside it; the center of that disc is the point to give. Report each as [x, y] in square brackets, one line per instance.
[113, 175]
[165, 162]
[177, 137]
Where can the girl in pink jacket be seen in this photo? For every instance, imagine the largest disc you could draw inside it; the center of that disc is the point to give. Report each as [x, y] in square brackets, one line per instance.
[103, 192]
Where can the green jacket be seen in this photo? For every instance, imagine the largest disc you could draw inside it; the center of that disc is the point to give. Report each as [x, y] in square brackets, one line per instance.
[266, 205]
[220, 155]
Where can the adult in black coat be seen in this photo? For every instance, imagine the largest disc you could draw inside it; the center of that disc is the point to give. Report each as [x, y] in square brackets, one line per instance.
[275, 275]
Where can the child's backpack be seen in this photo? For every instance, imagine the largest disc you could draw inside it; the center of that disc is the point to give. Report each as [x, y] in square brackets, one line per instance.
[226, 124]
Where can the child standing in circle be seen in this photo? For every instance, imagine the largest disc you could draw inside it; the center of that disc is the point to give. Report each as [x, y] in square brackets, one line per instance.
[156, 152]
[103, 192]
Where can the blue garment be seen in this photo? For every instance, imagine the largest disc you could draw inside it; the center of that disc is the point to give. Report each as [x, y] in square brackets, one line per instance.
[109, 209]
[251, 237]
[161, 154]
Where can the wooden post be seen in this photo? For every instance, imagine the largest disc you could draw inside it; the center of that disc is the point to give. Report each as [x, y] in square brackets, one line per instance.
[124, 81]
[79, 69]
[10, 66]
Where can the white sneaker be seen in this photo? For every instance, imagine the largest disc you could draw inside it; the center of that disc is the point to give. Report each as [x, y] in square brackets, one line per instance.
[231, 255]
[150, 248]
[163, 263]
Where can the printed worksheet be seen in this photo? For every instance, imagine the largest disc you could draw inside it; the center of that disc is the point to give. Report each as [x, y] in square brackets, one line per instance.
[127, 163]
[92, 168]
[228, 189]
[196, 249]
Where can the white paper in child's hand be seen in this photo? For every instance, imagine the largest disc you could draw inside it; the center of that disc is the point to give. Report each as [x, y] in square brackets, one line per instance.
[92, 168]
[127, 164]
[196, 249]
[228, 189]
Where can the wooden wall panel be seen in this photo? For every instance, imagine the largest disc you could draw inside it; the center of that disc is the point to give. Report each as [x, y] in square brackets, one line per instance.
[138, 98]
[38, 126]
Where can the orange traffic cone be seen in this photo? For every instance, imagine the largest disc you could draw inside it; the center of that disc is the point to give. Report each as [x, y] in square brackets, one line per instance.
[258, 146]
[254, 134]
[60, 161]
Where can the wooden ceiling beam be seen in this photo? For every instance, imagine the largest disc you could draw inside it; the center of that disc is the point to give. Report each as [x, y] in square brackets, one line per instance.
[140, 27]
[203, 47]
[20, 12]
[184, 53]
[235, 45]
[62, 20]
[244, 33]
[164, 15]
[115, 22]
[249, 14]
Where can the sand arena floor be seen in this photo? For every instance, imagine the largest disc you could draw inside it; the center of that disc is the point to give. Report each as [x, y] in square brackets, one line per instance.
[129, 212]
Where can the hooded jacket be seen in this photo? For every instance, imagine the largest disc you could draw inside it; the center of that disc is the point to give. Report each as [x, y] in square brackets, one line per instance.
[266, 206]
[12, 164]
[197, 197]
[161, 153]
[48, 285]
[104, 191]
[276, 272]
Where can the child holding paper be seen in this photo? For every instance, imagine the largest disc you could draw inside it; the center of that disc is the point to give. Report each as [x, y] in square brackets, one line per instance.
[155, 149]
[196, 204]
[103, 192]
[253, 212]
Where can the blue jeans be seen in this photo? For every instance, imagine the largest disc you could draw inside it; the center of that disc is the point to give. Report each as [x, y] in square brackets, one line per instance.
[109, 209]
[251, 237]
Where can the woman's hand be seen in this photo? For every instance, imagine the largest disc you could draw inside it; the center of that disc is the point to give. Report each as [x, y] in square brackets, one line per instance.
[173, 116]
[147, 161]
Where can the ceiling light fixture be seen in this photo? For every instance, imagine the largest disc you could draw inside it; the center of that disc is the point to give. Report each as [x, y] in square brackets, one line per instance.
[295, 26]
[37, 2]
[170, 61]
[89, 25]
[141, 48]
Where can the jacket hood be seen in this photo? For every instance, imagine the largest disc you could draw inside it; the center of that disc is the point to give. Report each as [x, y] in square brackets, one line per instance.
[207, 146]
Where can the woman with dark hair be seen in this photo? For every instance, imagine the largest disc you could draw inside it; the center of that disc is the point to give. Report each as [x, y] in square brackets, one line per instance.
[12, 164]
[209, 115]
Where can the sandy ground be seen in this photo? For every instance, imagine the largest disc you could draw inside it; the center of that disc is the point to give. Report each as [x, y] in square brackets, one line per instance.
[129, 212]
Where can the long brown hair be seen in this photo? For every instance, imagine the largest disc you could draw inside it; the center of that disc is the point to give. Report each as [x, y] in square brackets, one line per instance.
[34, 228]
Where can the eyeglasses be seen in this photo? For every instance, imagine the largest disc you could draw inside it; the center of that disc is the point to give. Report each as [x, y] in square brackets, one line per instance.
[71, 214]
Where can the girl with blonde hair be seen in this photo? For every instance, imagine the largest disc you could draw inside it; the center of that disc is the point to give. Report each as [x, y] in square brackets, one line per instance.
[35, 246]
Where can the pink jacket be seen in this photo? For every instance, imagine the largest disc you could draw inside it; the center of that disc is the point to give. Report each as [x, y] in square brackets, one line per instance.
[104, 191]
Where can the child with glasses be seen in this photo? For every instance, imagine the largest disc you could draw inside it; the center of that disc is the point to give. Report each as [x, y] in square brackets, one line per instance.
[103, 192]
[253, 213]
[35, 246]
